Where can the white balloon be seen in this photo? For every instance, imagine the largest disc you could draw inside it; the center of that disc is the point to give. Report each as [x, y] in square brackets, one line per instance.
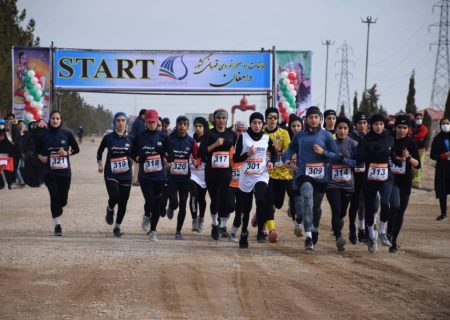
[39, 112]
[29, 97]
[33, 104]
[295, 93]
[39, 92]
[283, 98]
[29, 116]
[34, 81]
[283, 75]
[286, 104]
[38, 86]
[290, 86]
[31, 73]
[286, 82]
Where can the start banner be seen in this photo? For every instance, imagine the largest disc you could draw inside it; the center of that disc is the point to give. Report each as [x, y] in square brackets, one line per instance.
[99, 70]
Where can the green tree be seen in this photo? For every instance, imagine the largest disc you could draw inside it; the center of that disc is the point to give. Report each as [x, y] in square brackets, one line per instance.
[410, 99]
[369, 102]
[12, 33]
[447, 106]
[342, 112]
[355, 103]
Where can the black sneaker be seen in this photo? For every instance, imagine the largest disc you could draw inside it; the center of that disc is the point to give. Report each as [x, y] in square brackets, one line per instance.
[223, 232]
[442, 217]
[117, 233]
[393, 248]
[215, 233]
[315, 237]
[309, 244]
[353, 238]
[109, 218]
[243, 242]
[169, 213]
[163, 212]
[58, 230]
[261, 237]
[362, 236]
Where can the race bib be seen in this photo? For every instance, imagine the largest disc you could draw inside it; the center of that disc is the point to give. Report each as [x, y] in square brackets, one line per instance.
[398, 169]
[220, 159]
[58, 162]
[179, 167]
[235, 174]
[253, 167]
[361, 168]
[341, 173]
[315, 170]
[278, 163]
[119, 165]
[153, 164]
[378, 172]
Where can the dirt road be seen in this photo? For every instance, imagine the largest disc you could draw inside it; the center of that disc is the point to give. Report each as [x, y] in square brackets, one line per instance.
[89, 274]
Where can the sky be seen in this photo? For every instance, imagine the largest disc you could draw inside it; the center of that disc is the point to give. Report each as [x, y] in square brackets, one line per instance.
[399, 41]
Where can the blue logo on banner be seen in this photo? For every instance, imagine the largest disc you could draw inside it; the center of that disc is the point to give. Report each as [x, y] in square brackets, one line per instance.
[167, 68]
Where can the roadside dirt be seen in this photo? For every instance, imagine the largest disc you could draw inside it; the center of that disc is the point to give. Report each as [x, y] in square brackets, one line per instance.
[89, 274]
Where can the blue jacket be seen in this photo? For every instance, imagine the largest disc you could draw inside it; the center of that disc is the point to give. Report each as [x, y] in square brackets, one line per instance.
[302, 145]
[119, 147]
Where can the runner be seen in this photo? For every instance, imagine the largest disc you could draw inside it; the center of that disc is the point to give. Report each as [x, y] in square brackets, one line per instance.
[312, 146]
[330, 121]
[375, 151]
[197, 188]
[440, 151]
[279, 174]
[54, 149]
[251, 149]
[182, 146]
[149, 149]
[341, 187]
[218, 172]
[239, 128]
[295, 125]
[420, 136]
[117, 170]
[405, 150]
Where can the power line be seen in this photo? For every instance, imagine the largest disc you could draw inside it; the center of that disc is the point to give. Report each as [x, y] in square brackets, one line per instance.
[344, 91]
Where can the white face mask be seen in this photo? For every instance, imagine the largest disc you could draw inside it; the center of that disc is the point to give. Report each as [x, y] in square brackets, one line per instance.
[445, 127]
[419, 122]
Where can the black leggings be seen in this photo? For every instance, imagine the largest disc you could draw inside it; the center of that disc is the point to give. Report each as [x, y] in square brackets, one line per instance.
[239, 212]
[197, 201]
[292, 193]
[247, 201]
[152, 191]
[443, 204]
[118, 192]
[357, 202]
[175, 190]
[339, 200]
[218, 183]
[399, 203]
[275, 194]
[370, 197]
[58, 187]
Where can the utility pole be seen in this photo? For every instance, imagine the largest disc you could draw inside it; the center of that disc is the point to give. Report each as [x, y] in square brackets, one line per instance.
[441, 79]
[368, 21]
[327, 43]
[344, 91]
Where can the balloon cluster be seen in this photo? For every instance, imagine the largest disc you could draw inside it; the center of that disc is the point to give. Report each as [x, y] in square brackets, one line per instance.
[287, 94]
[33, 96]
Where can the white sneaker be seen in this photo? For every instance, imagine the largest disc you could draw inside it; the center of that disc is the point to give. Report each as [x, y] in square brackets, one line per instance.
[145, 224]
[372, 244]
[152, 236]
[384, 240]
[233, 237]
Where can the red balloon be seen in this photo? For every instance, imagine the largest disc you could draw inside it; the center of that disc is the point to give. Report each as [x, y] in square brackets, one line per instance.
[37, 75]
[285, 117]
[292, 76]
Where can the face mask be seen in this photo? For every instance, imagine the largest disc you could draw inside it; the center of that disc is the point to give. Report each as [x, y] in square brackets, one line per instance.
[445, 127]
[419, 122]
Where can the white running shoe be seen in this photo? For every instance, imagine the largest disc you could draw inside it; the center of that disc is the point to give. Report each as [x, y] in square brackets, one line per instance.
[372, 244]
[145, 224]
[152, 236]
[384, 240]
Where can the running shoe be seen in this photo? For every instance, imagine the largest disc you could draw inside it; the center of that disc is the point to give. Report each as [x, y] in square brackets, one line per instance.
[384, 240]
[289, 211]
[261, 237]
[315, 237]
[223, 232]
[253, 221]
[362, 236]
[178, 236]
[117, 233]
[200, 224]
[309, 244]
[233, 237]
[145, 224]
[163, 212]
[372, 244]
[353, 238]
[393, 248]
[298, 230]
[109, 218]
[195, 227]
[340, 244]
[442, 217]
[273, 236]
[215, 234]
[169, 213]
[58, 230]
[243, 242]
[152, 236]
